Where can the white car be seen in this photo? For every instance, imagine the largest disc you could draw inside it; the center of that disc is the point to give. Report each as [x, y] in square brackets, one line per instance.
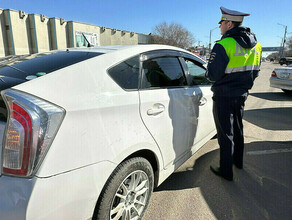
[281, 78]
[87, 133]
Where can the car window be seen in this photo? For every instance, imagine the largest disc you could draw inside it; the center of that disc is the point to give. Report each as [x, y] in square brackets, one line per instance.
[44, 63]
[196, 73]
[126, 74]
[163, 72]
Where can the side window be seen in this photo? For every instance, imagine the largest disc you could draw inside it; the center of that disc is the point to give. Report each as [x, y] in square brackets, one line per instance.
[163, 72]
[196, 73]
[126, 74]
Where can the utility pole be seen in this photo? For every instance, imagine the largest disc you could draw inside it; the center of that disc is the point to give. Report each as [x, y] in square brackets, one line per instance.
[281, 52]
[210, 38]
[284, 41]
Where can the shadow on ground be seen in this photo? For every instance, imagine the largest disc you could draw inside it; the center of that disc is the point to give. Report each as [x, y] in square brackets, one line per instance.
[272, 96]
[262, 190]
[270, 118]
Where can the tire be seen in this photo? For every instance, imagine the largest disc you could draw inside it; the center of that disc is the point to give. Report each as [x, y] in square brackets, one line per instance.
[123, 197]
[289, 92]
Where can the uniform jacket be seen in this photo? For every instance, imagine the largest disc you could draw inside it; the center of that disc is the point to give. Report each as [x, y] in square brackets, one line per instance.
[234, 63]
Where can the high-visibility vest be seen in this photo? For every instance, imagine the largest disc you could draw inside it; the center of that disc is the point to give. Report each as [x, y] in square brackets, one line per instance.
[241, 59]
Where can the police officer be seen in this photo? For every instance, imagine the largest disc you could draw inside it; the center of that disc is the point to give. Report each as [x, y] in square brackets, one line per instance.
[233, 65]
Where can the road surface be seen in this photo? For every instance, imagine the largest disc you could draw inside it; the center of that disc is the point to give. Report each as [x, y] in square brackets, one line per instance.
[262, 190]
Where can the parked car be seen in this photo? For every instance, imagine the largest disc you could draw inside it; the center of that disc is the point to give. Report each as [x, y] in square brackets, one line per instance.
[282, 78]
[285, 60]
[87, 133]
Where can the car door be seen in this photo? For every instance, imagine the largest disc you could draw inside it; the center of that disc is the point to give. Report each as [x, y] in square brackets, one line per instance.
[167, 106]
[197, 79]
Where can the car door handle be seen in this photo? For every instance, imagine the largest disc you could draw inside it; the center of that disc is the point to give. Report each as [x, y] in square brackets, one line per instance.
[156, 109]
[203, 101]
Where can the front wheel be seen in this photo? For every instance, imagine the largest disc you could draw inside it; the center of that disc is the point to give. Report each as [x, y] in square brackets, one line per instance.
[127, 192]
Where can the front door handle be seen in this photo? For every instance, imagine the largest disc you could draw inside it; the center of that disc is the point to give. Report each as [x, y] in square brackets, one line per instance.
[156, 109]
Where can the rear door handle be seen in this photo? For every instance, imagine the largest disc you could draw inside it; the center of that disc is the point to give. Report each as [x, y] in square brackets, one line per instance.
[203, 101]
[156, 109]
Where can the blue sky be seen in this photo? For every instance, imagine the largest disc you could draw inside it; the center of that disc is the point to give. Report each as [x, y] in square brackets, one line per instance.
[141, 16]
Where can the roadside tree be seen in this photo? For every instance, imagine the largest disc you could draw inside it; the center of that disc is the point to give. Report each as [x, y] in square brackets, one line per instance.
[273, 56]
[289, 47]
[173, 34]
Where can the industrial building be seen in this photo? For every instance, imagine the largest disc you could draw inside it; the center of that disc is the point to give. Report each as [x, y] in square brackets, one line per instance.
[22, 33]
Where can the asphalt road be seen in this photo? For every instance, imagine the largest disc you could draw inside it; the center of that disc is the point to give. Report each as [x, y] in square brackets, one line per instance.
[262, 190]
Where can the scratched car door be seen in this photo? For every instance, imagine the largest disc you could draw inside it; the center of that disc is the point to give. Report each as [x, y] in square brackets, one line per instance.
[167, 107]
[196, 79]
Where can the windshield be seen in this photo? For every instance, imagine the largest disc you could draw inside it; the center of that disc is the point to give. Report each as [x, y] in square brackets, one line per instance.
[41, 64]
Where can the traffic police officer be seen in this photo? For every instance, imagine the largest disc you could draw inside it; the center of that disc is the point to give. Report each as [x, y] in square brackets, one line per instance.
[233, 65]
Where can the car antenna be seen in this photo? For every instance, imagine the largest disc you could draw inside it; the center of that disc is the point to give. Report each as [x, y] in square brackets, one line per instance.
[88, 44]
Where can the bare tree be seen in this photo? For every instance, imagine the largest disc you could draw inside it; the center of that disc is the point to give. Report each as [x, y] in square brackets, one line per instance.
[173, 34]
[273, 56]
[289, 47]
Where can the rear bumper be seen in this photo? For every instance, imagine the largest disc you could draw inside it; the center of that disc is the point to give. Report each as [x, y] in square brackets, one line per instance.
[70, 195]
[14, 197]
[281, 83]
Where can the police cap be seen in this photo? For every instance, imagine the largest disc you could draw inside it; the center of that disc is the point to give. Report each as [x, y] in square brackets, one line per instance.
[231, 15]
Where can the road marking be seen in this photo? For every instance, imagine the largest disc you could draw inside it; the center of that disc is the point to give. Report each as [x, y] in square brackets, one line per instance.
[287, 150]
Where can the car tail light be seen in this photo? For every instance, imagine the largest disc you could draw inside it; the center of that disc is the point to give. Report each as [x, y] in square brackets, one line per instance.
[31, 127]
[274, 74]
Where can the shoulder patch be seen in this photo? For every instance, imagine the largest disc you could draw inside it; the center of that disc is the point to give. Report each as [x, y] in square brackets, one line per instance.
[212, 57]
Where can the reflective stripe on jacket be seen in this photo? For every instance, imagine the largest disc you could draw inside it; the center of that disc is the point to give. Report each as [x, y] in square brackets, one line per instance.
[241, 59]
[233, 68]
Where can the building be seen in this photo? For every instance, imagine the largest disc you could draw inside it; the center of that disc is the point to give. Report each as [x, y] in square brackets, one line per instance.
[200, 51]
[22, 33]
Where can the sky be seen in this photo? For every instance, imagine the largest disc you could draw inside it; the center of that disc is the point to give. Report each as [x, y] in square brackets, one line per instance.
[141, 16]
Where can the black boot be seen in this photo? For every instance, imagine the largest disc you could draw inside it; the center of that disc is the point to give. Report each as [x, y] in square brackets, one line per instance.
[217, 171]
[238, 166]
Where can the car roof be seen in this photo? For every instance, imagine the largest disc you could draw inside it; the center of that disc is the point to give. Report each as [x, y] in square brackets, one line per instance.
[100, 49]
[131, 49]
[107, 49]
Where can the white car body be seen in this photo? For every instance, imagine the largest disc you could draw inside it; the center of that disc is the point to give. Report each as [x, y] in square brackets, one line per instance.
[282, 78]
[104, 124]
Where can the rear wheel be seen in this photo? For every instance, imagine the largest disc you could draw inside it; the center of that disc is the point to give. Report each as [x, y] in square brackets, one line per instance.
[287, 91]
[127, 192]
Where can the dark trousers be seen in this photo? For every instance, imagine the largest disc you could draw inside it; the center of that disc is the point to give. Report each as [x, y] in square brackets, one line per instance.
[228, 113]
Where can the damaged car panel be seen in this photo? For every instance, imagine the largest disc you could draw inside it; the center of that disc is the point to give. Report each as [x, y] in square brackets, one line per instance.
[90, 130]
